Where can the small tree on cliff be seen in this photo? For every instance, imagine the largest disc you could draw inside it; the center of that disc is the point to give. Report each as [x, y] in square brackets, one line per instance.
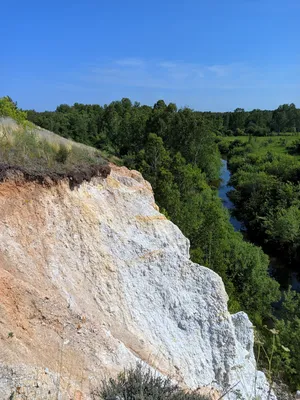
[8, 108]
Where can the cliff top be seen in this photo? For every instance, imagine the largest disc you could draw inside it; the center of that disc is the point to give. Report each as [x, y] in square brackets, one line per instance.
[32, 153]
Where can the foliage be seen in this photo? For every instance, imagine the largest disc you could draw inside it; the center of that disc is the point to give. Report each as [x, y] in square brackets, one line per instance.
[294, 147]
[142, 384]
[278, 347]
[9, 109]
[268, 195]
[122, 128]
[286, 118]
[288, 326]
[29, 151]
[26, 148]
[266, 174]
[62, 154]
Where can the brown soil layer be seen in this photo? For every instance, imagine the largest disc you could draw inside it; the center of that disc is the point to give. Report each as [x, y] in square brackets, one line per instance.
[75, 175]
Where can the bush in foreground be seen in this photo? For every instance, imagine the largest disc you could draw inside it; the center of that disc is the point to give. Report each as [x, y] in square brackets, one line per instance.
[141, 383]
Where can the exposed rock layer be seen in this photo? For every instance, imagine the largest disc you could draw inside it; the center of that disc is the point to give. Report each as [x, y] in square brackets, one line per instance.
[94, 279]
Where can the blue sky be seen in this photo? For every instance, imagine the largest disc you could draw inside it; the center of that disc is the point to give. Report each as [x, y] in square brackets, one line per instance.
[210, 55]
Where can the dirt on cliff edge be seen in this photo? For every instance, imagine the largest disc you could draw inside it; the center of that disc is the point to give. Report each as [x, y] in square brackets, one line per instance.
[75, 175]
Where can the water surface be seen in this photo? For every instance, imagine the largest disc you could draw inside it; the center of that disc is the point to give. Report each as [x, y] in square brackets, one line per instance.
[223, 191]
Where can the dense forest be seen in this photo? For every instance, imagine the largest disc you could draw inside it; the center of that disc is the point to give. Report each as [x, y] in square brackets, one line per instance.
[266, 176]
[177, 150]
[85, 122]
[286, 118]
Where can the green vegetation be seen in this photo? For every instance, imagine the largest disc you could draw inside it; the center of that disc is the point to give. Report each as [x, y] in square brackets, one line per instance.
[265, 173]
[177, 151]
[260, 144]
[9, 109]
[24, 147]
[278, 347]
[286, 118]
[142, 384]
[27, 151]
[287, 355]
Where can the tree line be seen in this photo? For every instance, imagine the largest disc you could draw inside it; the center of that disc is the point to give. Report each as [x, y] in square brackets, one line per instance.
[286, 118]
[86, 120]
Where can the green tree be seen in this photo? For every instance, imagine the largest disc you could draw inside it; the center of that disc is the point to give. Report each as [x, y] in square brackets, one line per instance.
[287, 359]
[8, 108]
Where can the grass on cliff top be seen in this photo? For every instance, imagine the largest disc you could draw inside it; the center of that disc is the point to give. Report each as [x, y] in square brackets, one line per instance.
[41, 152]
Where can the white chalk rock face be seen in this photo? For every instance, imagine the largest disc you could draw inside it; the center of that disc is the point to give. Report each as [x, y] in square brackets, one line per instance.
[94, 279]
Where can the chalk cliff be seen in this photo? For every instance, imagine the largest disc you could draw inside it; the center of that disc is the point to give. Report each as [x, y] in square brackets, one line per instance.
[93, 279]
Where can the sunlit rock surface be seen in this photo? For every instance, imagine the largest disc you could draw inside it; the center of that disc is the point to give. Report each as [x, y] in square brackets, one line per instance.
[94, 279]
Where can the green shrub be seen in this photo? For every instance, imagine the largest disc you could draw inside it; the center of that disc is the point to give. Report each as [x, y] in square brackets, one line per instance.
[62, 154]
[9, 109]
[141, 383]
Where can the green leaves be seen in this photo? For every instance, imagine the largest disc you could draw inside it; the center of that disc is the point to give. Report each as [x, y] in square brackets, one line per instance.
[267, 199]
[9, 109]
[288, 326]
[283, 225]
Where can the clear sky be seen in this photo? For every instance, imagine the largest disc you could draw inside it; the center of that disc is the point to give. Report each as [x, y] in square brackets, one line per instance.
[208, 54]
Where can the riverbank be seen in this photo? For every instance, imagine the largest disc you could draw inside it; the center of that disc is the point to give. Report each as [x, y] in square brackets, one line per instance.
[278, 270]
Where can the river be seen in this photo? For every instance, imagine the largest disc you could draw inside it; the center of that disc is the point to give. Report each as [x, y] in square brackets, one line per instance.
[277, 270]
[223, 190]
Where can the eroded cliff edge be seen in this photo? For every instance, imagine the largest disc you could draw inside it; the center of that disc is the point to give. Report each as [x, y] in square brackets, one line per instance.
[94, 278]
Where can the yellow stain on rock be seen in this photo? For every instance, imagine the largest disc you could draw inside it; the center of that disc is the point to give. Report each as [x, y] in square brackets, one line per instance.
[88, 211]
[155, 206]
[111, 182]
